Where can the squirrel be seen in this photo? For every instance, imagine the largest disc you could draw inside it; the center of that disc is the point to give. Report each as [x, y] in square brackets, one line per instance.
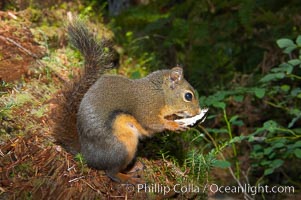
[113, 112]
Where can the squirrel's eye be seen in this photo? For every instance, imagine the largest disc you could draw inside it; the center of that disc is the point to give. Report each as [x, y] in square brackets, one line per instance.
[188, 96]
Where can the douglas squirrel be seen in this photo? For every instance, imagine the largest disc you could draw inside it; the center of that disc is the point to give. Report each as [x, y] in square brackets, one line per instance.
[116, 111]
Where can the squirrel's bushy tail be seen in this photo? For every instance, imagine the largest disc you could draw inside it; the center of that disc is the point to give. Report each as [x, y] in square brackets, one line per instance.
[98, 57]
[95, 52]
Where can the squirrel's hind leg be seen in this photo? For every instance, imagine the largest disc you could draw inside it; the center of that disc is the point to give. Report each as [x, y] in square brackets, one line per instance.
[127, 131]
[134, 167]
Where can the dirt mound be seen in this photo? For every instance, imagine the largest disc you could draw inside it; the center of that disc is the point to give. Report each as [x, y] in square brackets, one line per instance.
[30, 169]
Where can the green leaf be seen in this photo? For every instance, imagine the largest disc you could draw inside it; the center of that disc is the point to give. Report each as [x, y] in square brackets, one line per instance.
[233, 118]
[251, 138]
[273, 76]
[297, 144]
[257, 147]
[268, 171]
[295, 91]
[222, 164]
[238, 123]
[129, 34]
[259, 92]
[272, 155]
[220, 95]
[238, 98]
[277, 163]
[279, 145]
[284, 67]
[237, 139]
[294, 120]
[270, 125]
[285, 88]
[298, 40]
[221, 105]
[215, 99]
[284, 43]
[294, 62]
[265, 163]
[267, 151]
[297, 153]
[289, 50]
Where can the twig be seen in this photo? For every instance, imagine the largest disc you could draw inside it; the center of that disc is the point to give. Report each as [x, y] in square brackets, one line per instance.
[12, 15]
[76, 179]
[2, 190]
[246, 195]
[70, 168]
[246, 175]
[19, 46]
[93, 188]
[1, 153]
[117, 196]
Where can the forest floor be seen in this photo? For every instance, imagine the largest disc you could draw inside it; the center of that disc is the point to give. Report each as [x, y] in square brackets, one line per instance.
[32, 165]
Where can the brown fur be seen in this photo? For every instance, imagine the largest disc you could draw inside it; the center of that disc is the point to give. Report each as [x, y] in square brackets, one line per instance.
[127, 130]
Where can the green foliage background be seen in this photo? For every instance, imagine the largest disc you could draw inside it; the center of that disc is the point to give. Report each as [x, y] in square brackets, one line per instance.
[215, 41]
[244, 59]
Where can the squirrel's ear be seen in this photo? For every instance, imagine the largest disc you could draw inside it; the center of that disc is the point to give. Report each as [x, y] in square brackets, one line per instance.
[176, 75]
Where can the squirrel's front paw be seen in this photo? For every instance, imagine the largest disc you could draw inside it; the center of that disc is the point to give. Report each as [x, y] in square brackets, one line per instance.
[175, 126]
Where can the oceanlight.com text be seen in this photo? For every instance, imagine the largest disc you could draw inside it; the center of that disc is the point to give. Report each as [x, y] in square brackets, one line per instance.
[249, 189]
